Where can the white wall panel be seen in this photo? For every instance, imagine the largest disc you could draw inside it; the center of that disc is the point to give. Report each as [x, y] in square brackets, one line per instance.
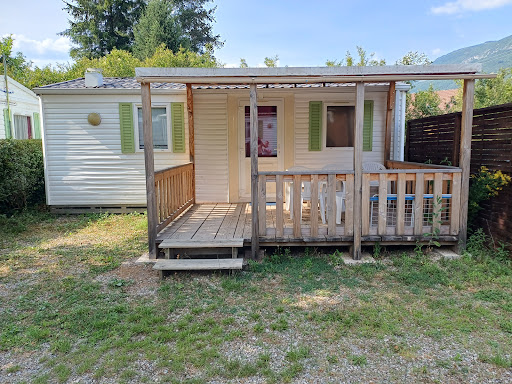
[84, 164]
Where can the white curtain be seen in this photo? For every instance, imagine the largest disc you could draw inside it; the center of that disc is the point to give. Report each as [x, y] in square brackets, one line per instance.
[20, 127]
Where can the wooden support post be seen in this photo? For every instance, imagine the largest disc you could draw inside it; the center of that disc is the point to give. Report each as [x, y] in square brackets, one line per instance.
[191, 144]
[466, 130]
[149, 162]
[389, 121]
[255, 239]
[358, 169]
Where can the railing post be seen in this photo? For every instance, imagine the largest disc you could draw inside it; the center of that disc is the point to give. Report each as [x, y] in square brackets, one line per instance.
[255, 241]
[149, 162]
[191, 143]
[465, 156]
[358, 169]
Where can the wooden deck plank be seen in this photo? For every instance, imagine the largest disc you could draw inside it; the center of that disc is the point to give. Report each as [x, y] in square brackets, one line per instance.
[211, 225]
[248, 223]
[171, 243]
[176, 224]
[228, 226]
[190, 227]
[239, 231]
[198, 264]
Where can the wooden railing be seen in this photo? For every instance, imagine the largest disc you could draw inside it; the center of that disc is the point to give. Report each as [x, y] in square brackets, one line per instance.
[174, 189]
[404, 202]
[273, 223]
[395, 202]
[393, 164]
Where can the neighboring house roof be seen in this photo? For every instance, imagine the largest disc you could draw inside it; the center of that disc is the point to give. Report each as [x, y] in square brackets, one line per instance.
[110, 83]
[445, 96]
[130, 83]
[14, 85]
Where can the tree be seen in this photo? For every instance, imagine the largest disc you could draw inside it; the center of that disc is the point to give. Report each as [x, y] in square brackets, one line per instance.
[196, 21]
[158, 25]
[414, 58]
[423, 104]
[271, 62]
[364, 59]
[99, 26]
[243, 63]
[493, 91]
[17, 65]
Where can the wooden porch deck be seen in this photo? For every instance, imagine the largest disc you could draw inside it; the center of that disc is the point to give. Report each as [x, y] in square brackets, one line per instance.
[218, 224]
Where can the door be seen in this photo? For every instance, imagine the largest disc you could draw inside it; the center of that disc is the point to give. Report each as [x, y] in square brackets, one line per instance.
[270, 144]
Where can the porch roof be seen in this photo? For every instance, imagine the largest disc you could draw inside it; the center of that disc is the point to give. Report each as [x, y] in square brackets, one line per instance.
[292, 75]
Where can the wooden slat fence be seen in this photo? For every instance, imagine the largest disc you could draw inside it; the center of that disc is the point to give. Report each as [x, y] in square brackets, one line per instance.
[435, 139]
[174, 189]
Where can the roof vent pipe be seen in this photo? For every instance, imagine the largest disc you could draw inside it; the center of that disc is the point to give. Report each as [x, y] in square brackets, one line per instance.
[93, 77]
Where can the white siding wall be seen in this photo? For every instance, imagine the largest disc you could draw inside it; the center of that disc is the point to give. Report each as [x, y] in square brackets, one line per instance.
[342, 156]
[84, 164]
[22, 100]
[211, 148]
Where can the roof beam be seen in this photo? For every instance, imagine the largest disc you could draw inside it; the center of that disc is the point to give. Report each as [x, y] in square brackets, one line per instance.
[310, 74]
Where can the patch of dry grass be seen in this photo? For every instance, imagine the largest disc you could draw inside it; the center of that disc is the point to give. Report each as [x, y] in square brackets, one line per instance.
[74, 307]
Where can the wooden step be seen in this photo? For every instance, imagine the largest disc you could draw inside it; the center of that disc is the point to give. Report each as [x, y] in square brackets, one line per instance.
[180, 244]
[198, 264]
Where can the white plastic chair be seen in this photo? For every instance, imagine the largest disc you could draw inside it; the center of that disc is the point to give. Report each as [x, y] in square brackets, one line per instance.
[371, 167]
[305, 192]
[340, 195]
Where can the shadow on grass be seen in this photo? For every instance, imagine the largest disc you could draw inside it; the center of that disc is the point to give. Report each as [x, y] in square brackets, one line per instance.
[97, 242]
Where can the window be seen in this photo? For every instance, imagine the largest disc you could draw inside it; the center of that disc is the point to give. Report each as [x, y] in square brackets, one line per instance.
[267, 131]
[22, 127]
[340, 126]
[160, 128]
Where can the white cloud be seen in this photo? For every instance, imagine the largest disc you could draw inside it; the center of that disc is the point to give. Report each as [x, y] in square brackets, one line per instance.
[459, 6]
[58, 45]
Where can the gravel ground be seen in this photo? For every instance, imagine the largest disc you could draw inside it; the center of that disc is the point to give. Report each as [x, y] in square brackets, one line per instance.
[388, 359]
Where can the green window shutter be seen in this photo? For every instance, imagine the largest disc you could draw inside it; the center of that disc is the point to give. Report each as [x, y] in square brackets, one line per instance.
[368, 125]
[126, 125]
[7, 124]
[315, 125]
[178, 127]
[37, 126]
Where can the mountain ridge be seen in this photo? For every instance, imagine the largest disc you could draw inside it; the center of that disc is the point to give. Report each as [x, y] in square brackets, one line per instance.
[493, 55]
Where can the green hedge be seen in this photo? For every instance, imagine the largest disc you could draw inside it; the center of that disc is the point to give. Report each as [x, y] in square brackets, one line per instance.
[21, 174]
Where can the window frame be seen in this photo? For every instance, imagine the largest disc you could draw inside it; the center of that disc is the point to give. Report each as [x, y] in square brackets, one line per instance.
[136, 127]
[325, 105]
[30, 135]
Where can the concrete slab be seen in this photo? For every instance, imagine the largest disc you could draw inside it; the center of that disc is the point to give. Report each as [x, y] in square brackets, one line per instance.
[144, 259]
[366, 258]
[445, 253]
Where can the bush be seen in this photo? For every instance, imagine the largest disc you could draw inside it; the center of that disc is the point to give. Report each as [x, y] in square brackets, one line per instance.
[484, 185]
[21, 174]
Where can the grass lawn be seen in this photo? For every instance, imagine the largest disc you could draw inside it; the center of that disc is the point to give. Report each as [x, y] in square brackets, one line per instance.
[75, 308]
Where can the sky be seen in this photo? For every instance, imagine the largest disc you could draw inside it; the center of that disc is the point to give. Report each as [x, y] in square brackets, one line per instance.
[300, 33]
